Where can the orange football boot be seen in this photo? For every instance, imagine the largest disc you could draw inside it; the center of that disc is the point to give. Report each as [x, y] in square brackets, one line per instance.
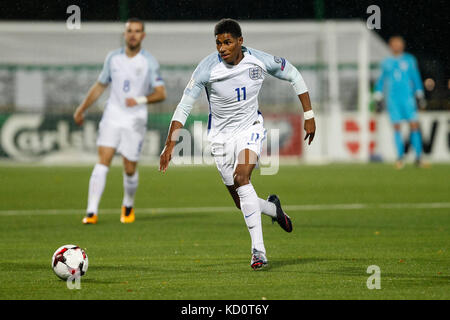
[90, 218]
[127, 218]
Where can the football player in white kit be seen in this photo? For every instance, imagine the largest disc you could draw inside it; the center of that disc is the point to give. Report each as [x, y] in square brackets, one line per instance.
[135, 82]
[232, 78]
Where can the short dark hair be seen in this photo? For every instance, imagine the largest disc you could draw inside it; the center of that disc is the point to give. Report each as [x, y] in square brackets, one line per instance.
[136, 20]
[228, 26]
[396, 35]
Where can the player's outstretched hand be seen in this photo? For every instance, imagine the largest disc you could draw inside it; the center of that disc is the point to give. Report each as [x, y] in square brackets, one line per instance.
[164, 159]
[130, 102]
[310, 128]
[78, 116]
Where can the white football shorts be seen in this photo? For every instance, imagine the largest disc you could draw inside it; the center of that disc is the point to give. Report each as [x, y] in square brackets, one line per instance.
[226, 154]
[127, 141]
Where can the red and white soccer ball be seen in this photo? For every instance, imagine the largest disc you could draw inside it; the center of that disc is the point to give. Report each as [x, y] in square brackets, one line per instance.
[69, 260]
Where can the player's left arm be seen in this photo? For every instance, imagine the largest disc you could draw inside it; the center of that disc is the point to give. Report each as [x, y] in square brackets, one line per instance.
[310, 124]
[158, 94]
[417, 82]
[159, 91]
[284, 70]
[295, 78]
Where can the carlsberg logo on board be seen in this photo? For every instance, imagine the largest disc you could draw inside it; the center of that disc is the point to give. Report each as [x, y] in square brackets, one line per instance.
[27, 137]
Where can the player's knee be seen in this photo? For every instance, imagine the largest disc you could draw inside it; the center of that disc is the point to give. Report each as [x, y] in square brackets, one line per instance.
[241, 180]
[104, 161]
[129, 167]
[414, 126]
[130, 171]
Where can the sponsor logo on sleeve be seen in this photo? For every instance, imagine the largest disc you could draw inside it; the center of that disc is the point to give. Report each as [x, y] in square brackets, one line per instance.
[281, 61]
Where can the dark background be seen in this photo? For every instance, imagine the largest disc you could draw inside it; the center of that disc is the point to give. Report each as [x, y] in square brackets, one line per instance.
[423, 24]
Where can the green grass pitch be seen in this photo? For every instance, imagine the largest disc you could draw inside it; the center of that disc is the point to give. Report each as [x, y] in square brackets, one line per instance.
[346, 218]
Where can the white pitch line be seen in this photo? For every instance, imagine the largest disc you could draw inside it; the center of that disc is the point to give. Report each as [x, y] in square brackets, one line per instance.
[304, 207]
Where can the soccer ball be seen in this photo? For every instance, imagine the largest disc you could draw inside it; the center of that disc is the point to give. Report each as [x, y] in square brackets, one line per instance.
[69, 260]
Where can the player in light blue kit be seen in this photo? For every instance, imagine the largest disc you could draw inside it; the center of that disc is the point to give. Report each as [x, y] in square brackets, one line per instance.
[400, 84]
[232, 77]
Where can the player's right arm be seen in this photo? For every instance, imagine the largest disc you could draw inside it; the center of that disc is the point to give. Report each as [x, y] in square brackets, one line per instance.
[198, 81]
[166, 154]
[93, 94]
[95, 91]
[379, 85]
[178, 120]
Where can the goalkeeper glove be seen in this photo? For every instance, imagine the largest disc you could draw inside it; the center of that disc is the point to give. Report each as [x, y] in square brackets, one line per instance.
[421, 101]
[378, 98]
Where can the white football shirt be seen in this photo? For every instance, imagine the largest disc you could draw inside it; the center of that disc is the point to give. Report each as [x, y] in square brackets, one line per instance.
[129, 77]
[232, 90]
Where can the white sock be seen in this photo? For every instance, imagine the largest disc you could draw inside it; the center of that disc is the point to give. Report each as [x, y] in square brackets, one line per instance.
[252, 215]
[96, 186]
[268, 208]
[130, 184]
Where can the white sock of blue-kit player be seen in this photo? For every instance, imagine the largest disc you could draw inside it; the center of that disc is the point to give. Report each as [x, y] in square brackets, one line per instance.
[268, 208]
[252, 215]
[130, 184]
[96, 186]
